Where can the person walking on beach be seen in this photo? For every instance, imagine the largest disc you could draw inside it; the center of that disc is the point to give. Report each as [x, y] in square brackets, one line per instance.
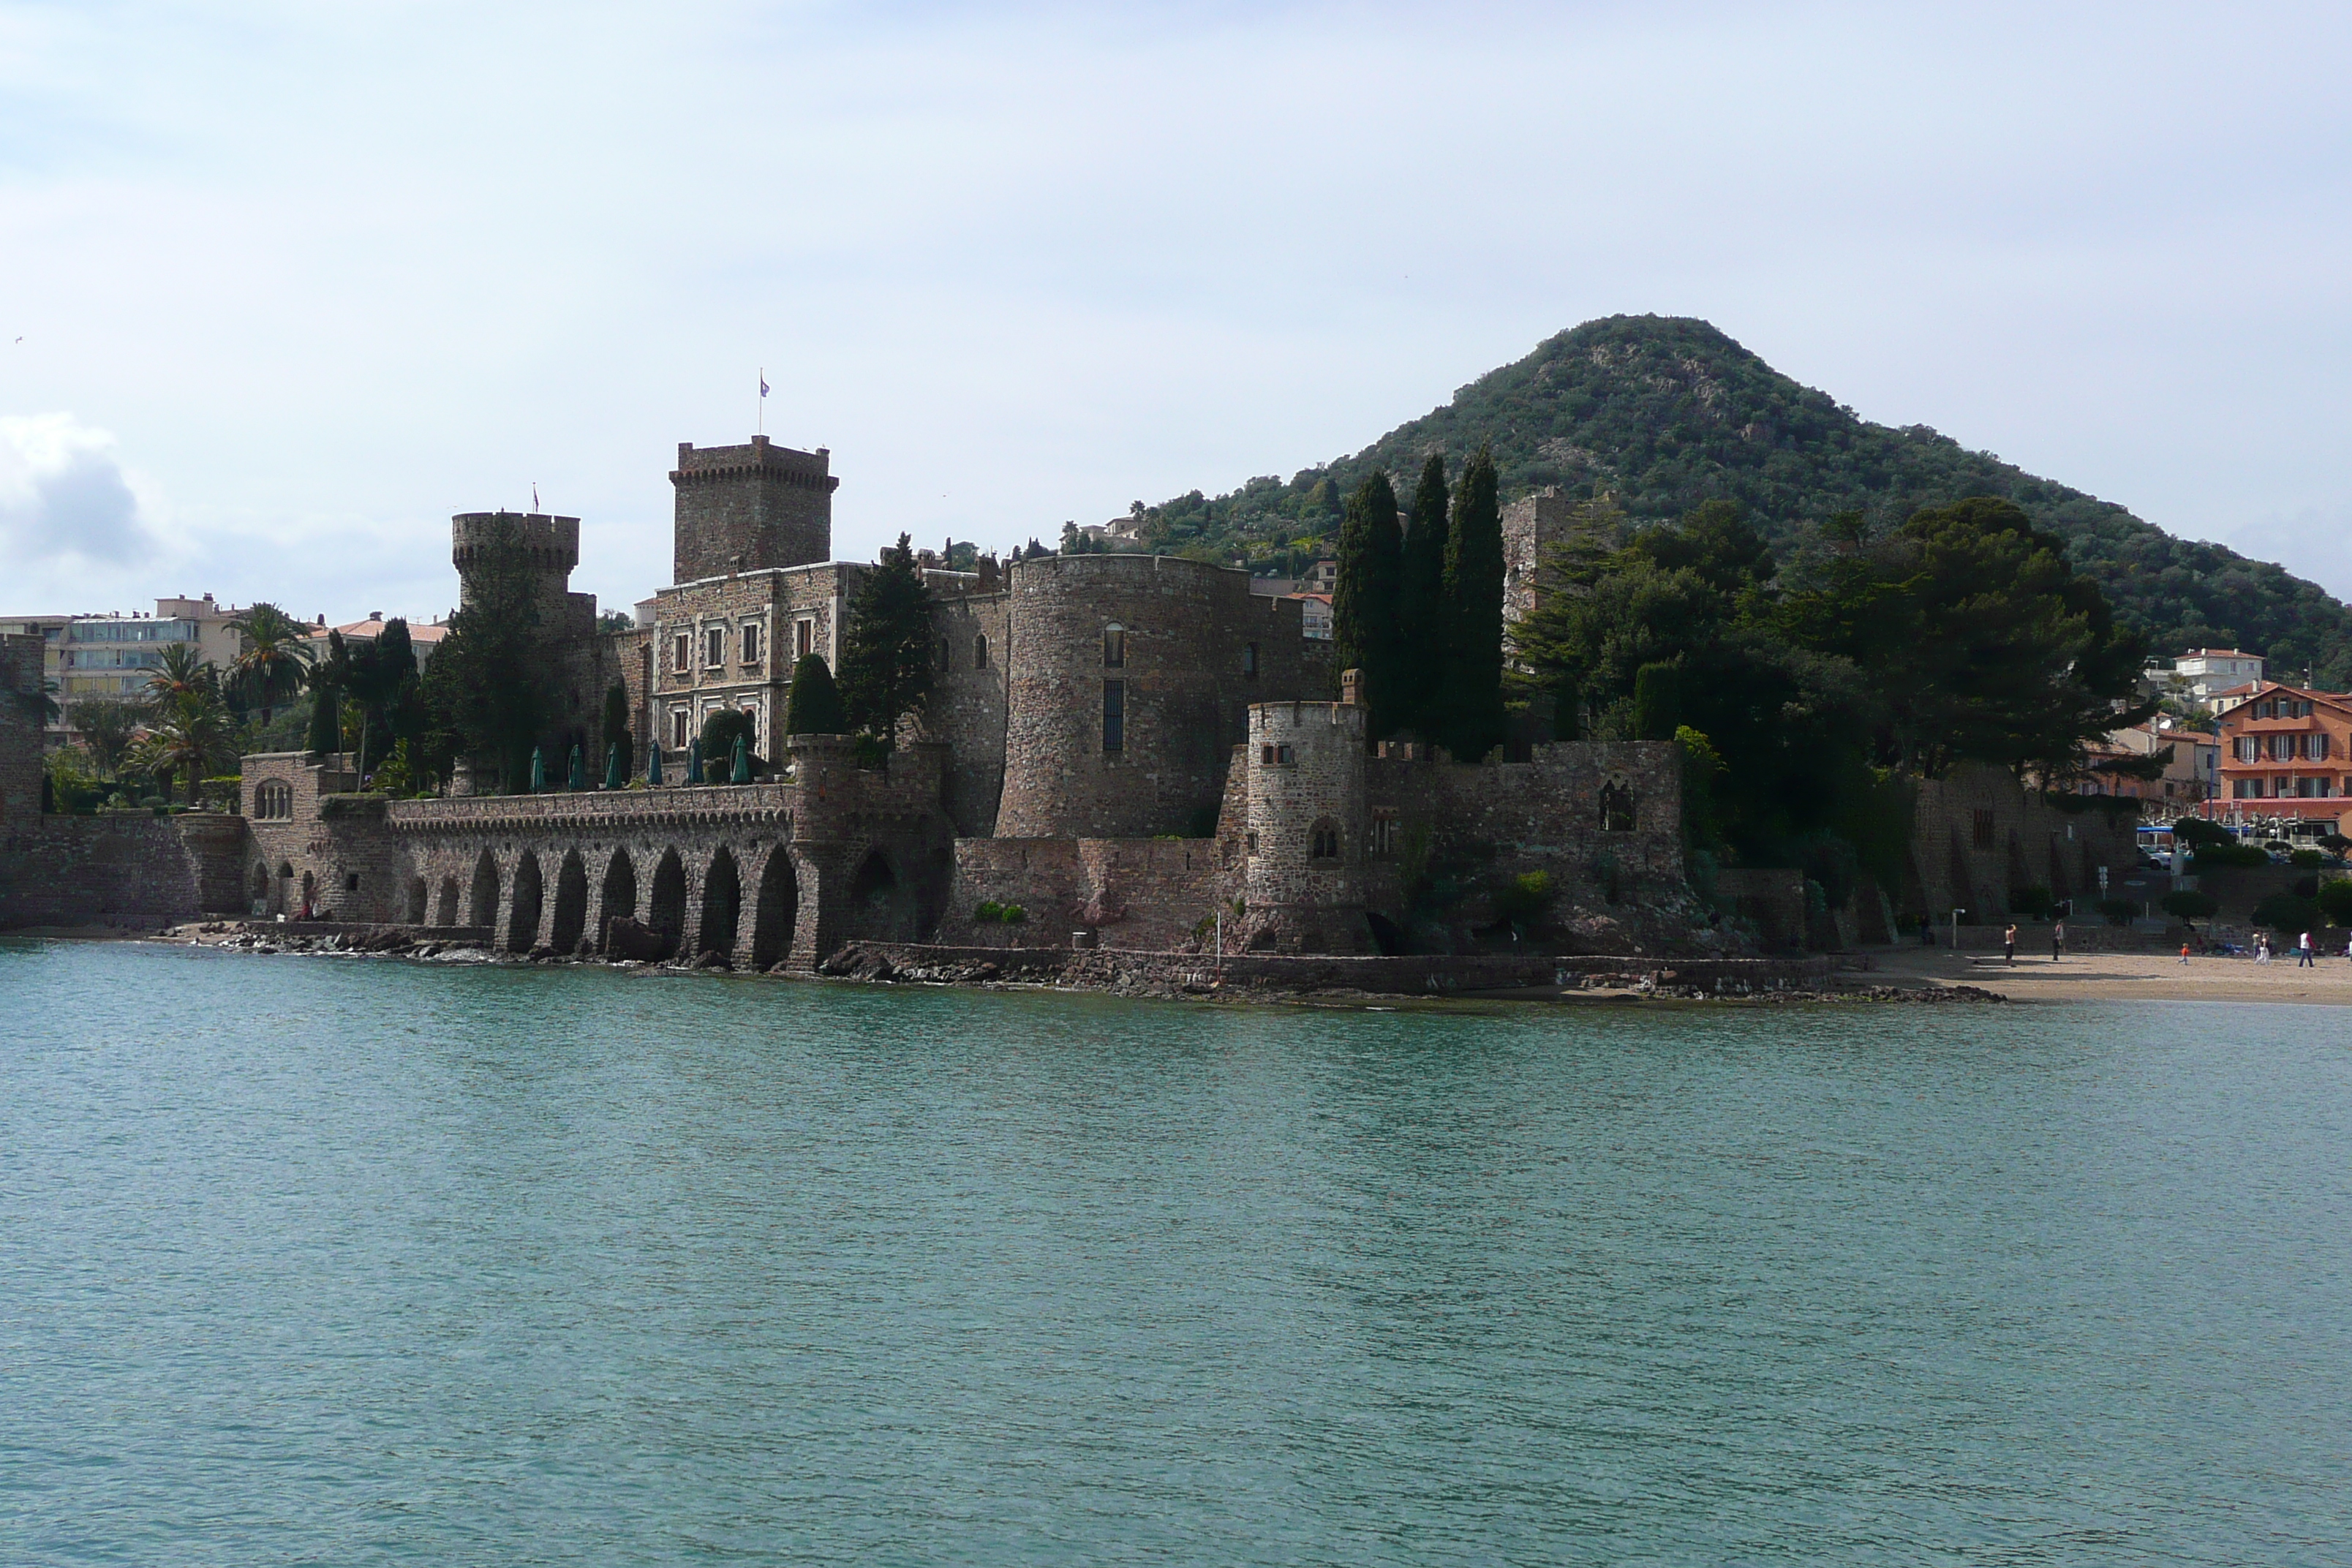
[2304, 957]
[2009, 942]
[2184, 953]
[2262, 948]
[2057, 941]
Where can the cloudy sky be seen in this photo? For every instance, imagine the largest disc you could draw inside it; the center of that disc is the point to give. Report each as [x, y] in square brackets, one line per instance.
[294, 281]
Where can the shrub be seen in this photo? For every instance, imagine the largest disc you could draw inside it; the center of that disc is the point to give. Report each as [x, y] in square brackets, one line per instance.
[2187, 905]
[2033, 902]
[1524, 896]
[719, 733]
[2197, 831]
[988, 912]
[2211, 857]
[2336, 902]
[2336, 844]
[2119, 911]
[1013, 914]
[2306, 859]
[2285, 912]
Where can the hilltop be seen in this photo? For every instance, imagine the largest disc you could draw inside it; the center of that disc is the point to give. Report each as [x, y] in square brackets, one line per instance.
[1664, 413]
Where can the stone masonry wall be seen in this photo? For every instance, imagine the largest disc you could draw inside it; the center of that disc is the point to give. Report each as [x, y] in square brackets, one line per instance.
[1191, 632]
[966, 711]
[780, 604]
[129, 870]
[1977, 835]
[1145, 894]
[20, 732]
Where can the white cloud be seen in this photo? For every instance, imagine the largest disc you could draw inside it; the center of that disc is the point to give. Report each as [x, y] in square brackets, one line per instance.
[64, 498]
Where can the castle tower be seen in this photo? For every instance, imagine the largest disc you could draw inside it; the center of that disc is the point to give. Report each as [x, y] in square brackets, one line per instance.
[1305, 816]
[552, 544]
[739, 508]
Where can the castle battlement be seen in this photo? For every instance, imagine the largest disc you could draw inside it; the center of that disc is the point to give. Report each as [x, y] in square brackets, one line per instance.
[553, 543]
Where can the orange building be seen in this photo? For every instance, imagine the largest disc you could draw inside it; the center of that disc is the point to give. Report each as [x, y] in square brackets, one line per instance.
[2286, 752]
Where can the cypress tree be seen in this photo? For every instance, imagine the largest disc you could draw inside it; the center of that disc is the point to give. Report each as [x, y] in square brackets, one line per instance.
[1419, 627]
[1657, 701]
[813, 708]
[327, 678]
[886, 659]
[1364, 603]
[1474, 603]
[619, 736]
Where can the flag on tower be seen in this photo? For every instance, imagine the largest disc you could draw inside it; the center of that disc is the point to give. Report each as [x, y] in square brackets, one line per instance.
[764, 383]
[534, 495]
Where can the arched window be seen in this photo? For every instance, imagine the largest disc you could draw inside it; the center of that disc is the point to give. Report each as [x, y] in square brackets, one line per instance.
[980, 651]
[1113, 647]
[273, 799]
[1616, 806]
[1323, 840]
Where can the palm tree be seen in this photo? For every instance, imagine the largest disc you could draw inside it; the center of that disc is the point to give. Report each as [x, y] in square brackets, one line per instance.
[182, 673]
[187, 734]
[277, 656]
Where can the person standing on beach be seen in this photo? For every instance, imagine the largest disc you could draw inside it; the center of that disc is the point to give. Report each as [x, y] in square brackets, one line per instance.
[2262, 948]
[2303, 956]
[2057, 941]
[2009, 942]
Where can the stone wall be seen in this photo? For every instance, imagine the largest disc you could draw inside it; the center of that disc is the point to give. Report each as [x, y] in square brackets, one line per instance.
[1307, 834]
[786, 606]
[1977, 835]
[966, 711]
[739, 509]
[1195, 648]
[1146, 894]
[129, 870]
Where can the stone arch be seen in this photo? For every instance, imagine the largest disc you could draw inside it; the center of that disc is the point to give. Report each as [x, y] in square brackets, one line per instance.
[1323, 842]
[310, 895]
[877, 898]
[666, 912]
[482, 904]
[571, 903]
[775, 909]
[722, 905]
[522, 920]
[445, 906]
[620, 887]
[416, 902]
[1616, 805]
[979, 651]
[260, 886]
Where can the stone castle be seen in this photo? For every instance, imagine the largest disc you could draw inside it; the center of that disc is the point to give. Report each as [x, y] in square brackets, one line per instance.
[1126, 751]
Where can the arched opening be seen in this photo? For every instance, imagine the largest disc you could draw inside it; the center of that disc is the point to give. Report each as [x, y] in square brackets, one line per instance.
[980, 651]
[571, 903]
[445, 904]
[620, 887]
[482, 906]
[260, 889]
[776, 911]
[665, 916]
[722, 905]
[310, 896]
[522, 922]
[416, 902]
[876, 902]
[1616, 806]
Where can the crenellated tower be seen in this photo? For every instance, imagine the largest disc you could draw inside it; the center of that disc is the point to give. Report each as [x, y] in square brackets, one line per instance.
[739, 508]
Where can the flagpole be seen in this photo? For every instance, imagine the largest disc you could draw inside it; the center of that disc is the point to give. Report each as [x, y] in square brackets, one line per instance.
[762, 426]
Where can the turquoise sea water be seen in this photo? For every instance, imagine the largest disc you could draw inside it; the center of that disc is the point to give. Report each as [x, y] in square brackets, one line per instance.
[339, 1261]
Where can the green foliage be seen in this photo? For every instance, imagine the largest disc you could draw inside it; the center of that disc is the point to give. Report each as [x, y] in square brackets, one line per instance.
[2288, 914]
[2033, 902]
[1702, 770]
[2215, 856]
[1364, 601]
[2306, 859]
[991, 912]
[2187, 904]
[2196, 830]
[187, 733]
[2335, 900]
[70, 782]
[274, 658]
[886, 659]
[815, 708]
[482, 695]
[1657, 702]
[1663, 413]
[2118, 911]
[107, 730]
[720, 731]
[615, 730]
[1473, 688]
[1521, 899]
[1422, 625]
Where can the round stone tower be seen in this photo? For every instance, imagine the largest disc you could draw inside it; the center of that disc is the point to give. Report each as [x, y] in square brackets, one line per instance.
[1305, 882]
[1117, 695]
[549, 544]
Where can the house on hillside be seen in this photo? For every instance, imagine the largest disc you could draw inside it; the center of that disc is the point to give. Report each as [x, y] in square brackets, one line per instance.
[2287, 752]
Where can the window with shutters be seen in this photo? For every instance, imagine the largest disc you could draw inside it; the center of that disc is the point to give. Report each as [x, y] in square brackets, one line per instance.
[751, 644]
[714, 648]
[804, 637]
[1982, 828]
[1113, 716]
[681, 652]
[679, 723]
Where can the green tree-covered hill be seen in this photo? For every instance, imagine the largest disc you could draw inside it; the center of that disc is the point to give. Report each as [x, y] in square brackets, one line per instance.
[1664, 413]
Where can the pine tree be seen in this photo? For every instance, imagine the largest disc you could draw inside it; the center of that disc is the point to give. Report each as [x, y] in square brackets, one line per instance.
[813, 708]
[886, 659]
[618, 732]
[1473, 694]
[1364, 603]
[1420, 620]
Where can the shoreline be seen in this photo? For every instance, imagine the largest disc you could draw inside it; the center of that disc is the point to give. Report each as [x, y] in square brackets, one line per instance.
[1895, 975]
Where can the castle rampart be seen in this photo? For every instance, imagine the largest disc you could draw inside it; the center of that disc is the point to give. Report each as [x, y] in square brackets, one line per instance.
[743, 508]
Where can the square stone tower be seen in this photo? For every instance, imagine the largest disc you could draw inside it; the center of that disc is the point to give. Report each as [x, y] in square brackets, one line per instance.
[743, 508]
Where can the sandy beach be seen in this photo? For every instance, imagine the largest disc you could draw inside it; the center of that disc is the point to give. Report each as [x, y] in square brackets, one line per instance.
[2124, 976]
